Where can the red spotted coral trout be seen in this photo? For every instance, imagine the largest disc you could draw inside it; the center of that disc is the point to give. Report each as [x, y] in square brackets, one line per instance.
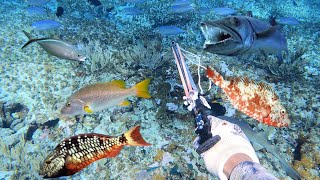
[257, 100]
[99, 96]
[77, 152]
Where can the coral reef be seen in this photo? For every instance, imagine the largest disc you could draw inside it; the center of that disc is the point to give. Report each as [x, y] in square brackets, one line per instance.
[290, 69]
[34, 86]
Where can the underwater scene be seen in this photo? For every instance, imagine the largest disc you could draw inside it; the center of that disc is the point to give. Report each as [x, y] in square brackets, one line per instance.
[122, 89]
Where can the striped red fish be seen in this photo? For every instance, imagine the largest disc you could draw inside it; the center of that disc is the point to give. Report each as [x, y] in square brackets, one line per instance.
[257, 100]
[77, 152]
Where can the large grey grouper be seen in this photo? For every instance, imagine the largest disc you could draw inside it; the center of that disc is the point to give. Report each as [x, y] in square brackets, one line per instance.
[57, 47]
[238, 35]
[259, 140]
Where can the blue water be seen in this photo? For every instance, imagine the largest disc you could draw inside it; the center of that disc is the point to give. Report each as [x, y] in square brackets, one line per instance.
[126, 40]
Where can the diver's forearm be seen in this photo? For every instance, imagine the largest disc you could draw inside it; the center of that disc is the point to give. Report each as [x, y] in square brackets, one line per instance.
[233, 161]
[250, 170]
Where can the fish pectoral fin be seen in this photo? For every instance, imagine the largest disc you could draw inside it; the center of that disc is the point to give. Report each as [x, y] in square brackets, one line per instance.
[125, 103]
[265, 112]
[72, 165]
[266, 32]
[87, 109]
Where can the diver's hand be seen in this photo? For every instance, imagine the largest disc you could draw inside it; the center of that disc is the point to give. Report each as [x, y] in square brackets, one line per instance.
[233, 148]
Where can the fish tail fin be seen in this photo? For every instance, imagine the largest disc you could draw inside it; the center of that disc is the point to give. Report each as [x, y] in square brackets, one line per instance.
[134, 137]
[31, 40]
[27, 34]
[214, 76]
[29, 37]
[142, 89]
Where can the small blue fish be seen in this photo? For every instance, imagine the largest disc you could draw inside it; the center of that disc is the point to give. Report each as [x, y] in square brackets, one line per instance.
[45, 25]
[181, 8]
[135, 1]
[288, 21]
[34, 10]
[204, 10]
[224, 11]
[181, 3]
[37, 2]
[131, 11]
[168, 30]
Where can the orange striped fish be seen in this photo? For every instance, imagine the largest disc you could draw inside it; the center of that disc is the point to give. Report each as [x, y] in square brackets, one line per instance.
[257, 100]
[77, 152]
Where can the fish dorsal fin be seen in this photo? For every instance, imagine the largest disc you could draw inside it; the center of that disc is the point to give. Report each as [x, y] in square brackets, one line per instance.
[244, 80]
[263, 85]
[266, 32]
[119, 83]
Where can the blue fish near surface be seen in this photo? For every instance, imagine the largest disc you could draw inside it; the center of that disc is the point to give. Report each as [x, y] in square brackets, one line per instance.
[181, 8]
[168, 30]
[204, 10]
[224, 11]
[181, 3]
[37, 2]
[131, 11]
[45, 25]
[34, 10]
[287, 21]
[135, 1]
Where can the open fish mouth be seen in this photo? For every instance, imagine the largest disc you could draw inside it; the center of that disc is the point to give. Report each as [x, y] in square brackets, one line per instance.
[82, 59]
[215, 35]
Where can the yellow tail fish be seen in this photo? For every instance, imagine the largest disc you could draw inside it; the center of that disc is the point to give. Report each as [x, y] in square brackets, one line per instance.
[99, 96]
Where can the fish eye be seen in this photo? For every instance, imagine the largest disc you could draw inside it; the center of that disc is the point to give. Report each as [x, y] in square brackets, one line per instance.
[282, 111]
[68, 104]
[79, 55]
[236, 21]
[48, 161]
